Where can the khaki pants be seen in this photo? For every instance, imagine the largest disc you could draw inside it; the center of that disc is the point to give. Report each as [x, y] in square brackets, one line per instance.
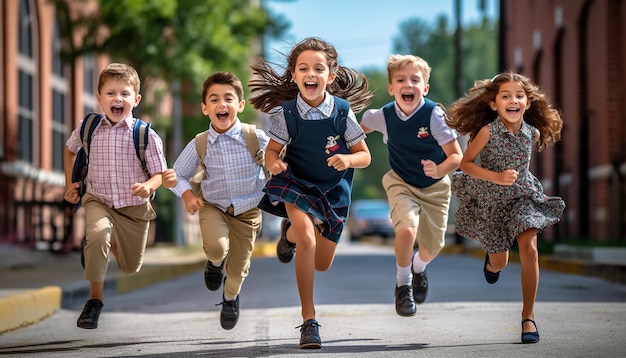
[423, 208]
[230, 238]
[127, 226]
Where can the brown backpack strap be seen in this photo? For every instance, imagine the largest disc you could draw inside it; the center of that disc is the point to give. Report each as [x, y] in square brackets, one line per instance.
[249, 134]
[201, 143]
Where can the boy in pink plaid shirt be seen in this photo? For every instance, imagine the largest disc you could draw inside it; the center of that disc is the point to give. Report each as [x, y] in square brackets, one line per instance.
[117, 206]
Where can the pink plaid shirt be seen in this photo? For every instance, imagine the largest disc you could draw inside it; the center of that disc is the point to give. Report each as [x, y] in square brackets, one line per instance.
[113, 163]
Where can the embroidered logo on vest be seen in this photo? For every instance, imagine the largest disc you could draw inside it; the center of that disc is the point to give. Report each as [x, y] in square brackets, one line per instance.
[422, 132]
[331, 144]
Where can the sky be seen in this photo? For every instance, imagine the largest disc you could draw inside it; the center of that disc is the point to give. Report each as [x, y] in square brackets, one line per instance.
[362, 31]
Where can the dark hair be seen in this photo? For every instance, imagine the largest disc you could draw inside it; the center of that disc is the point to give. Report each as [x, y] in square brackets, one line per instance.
[269, 89]
[223, 78]
[472, 112]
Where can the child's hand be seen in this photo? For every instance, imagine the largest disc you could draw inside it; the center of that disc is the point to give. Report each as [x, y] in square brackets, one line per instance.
[169, 178]
[142, 190]
[277, 167]
[430, 169]
[192, 203]
[71, 194]
[339, 161]
[507, 177]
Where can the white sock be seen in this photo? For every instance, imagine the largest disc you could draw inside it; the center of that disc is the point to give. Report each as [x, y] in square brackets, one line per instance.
[217, 264]
[419, 266]
[228, 298]
[403, 275]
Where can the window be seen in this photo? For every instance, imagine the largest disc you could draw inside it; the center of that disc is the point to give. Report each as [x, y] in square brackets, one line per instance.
[89, 85]
[27, 72]
[59, 102]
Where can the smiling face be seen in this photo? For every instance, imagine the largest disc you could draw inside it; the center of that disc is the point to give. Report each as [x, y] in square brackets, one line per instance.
[511, 102]
[117, 99]
[408, 87]
[312, 75]
[222, 105]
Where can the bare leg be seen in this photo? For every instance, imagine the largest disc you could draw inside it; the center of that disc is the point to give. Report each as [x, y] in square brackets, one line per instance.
[302, 232]
[403, 246]
[529, 257]
[97, 290]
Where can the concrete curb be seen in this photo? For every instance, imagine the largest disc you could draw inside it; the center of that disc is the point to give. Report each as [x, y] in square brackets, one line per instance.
[27, 307]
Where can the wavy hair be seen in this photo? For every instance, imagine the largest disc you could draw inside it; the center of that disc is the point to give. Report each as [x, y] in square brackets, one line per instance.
[269, 89]
[472, 112]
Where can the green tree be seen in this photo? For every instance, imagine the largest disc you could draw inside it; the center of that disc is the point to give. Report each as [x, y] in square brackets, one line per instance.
[169, 40]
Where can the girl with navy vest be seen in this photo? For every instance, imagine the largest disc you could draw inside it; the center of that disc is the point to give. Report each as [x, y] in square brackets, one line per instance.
[423, 150]
[315, 144]
[501, 201]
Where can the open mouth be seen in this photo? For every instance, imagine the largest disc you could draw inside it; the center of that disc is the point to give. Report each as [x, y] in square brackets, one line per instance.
[408, 97]
[512, 110]
[117, 111]
[222, 115]
[310, 86]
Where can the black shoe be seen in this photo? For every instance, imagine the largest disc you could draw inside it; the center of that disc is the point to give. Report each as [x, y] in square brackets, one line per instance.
[284, 248]
[213, 276]
[405, 304]
[530, 337]
[91, 312]
[420, 287]
[230, 313]
[83, 242]
[491, 277]
[310, 335]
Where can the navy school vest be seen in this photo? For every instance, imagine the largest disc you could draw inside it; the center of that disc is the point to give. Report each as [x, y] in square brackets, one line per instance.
[411, 141]
[312, 143]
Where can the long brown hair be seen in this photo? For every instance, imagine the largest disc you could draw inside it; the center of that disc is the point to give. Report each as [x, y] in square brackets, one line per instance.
[472, 112]
[268, 89]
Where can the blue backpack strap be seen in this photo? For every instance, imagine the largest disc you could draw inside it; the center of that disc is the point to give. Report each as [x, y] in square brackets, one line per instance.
[91, 121]
[141, 131]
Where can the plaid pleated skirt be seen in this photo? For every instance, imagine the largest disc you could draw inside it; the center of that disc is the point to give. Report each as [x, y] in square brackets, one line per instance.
[284, 188]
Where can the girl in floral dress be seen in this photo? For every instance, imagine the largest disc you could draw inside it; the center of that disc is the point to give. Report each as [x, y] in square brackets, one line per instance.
[501, 201]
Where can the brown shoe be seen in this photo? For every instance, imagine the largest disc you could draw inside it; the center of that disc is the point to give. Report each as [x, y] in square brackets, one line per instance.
[310, 335]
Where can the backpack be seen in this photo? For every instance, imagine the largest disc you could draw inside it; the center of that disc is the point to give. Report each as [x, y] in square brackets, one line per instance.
[91, 121]
[252, 142]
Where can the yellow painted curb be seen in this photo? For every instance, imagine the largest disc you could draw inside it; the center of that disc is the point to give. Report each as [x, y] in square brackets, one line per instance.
[27, 307]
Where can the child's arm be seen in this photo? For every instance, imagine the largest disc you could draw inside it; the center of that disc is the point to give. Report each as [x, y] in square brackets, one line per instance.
[71, 189]
[148, 187]
[468, 165]
[450, 164]
[360, 158]
[273, 163]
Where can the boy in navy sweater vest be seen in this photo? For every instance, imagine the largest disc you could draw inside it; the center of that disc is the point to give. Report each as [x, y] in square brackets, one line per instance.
[423, 150]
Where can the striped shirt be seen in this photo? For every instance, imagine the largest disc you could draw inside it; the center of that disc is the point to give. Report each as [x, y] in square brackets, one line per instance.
[374, 119]
[278, 126]
[232, 175]
[113, 163]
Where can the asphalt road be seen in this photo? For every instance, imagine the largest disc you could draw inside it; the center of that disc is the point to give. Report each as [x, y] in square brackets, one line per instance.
[462, 317]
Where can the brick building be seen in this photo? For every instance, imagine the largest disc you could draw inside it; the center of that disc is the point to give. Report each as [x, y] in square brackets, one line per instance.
[575, 50]
[41, 101]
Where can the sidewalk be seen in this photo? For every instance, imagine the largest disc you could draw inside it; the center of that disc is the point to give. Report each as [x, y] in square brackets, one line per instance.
[35, 284]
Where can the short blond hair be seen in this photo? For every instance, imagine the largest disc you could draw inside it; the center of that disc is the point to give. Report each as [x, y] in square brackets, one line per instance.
[398, 62]
[120, 72]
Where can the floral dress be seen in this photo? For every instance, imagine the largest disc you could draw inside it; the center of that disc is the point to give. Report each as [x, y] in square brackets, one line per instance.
[495, 214]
